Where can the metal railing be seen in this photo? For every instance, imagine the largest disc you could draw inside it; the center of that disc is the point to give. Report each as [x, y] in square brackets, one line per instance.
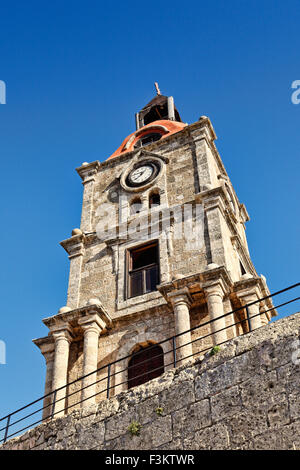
[48, 411]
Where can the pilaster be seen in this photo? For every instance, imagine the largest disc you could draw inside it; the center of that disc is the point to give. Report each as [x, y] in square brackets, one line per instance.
[46, 346]
[74, 246]
[87, 172]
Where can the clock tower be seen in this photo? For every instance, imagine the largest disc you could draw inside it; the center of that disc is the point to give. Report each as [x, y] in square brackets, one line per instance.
[161, 249]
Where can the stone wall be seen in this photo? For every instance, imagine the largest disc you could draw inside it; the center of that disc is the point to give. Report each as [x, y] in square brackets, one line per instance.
[244, 397]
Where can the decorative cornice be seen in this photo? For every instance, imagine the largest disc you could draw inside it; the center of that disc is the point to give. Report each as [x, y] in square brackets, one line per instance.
[209, 197]
[210, 194]
[199, 281]
[213, 198]
[248, 286]
[88, 170]
[45, 344]
[247, 283]
[73, 316]
[244, 213]
[74, 245]
[204, 123]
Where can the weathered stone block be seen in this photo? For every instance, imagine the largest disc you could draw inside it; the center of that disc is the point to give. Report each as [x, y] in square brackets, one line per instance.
[118, 424]
[192, 418]
[285, 438]
[224, 376]
[278, 412]
[225, 404]
[294, 402]
[214, 438]
[91, 437]
[245, 425]
[177, 397]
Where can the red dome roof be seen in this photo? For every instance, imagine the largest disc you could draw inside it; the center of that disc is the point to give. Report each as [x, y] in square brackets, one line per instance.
[164, 127]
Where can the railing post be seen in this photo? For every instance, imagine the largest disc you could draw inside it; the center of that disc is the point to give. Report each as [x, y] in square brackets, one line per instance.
[248, 318]
[6, 429]
[174, 350]
[108, 380]
[53, 404]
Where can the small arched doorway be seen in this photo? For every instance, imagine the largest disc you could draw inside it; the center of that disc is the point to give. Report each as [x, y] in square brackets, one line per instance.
[145, 364]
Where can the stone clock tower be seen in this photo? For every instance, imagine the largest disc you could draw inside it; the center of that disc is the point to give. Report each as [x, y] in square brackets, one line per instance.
[161, 249]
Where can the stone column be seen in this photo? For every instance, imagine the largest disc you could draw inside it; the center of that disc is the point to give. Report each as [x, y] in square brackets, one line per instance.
[90, 362]
[60, 368]
[181, 302]
[49, 358]
[214, 297]
[171, 108]
[253, 310]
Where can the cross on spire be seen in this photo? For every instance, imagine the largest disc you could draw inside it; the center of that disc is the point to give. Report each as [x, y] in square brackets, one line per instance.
[157, 88]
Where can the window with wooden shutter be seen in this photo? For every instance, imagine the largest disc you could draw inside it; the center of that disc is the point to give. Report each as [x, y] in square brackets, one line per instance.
[145, 365]
[143, 269]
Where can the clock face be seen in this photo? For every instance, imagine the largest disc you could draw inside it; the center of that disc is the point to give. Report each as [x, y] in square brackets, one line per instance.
[142, 174]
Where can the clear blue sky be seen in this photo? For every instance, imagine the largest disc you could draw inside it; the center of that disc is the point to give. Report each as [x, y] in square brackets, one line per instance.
[76, 72]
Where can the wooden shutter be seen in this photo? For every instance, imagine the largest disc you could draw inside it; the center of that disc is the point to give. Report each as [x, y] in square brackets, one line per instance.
[145, 365]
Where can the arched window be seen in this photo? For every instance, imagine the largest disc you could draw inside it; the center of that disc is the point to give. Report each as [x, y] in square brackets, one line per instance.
[154, 200]
[145, 364]
[147, 139]
[135, 206]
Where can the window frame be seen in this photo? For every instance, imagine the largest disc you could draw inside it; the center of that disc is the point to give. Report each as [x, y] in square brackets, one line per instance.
[129, 271]
[147, 363]
[139, 143]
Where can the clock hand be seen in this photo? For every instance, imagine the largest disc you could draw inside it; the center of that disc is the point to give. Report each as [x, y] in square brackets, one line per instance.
[140, 173]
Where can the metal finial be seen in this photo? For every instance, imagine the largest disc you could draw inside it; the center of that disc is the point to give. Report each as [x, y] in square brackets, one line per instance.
[157, 88]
